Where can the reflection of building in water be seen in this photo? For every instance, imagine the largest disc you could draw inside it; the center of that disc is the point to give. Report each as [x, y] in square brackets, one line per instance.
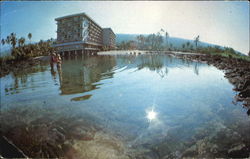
[81, 76]
[79, 33]
[78, 75]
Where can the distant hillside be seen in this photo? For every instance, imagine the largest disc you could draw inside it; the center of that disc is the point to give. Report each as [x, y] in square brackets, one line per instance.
[176, 42]
[125, 37]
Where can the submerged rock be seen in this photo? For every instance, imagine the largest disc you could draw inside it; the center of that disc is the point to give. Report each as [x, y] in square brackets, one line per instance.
[239, 151]
[37, 140]
[245, 93]
[67, 137]
[103, 146]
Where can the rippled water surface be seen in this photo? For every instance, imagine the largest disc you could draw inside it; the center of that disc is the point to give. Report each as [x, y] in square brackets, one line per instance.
[127, 106]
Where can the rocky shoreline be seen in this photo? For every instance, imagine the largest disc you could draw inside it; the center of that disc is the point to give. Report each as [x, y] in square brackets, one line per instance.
[237, 72]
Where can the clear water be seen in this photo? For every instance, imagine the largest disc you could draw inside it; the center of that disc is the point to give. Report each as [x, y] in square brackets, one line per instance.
[151, 106]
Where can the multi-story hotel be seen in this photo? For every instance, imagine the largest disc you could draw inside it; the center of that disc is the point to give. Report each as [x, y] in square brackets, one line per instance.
[108, 38]
[80, 33]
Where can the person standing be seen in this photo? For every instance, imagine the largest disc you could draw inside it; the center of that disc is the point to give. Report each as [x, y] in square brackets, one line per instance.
[52, 60]
[58, 61]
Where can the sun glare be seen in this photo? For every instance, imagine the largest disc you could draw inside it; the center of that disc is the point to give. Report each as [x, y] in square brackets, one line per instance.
[151, 115]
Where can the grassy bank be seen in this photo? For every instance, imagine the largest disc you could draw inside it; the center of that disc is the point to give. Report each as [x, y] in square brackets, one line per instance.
[224, 52]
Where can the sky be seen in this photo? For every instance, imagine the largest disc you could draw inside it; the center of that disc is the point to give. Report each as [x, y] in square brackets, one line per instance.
[218, 22]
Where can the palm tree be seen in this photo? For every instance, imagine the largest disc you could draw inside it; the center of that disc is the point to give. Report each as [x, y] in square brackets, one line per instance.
[171, 45]
[140, 40]
[183, 46]
[150, 40]
[3, 41]
[7, 40]
[191, 47]
[30, 36]
[21, 41]
[188, 44]
[13, 40]
[196, 40]
[167, 36]
[159, 41]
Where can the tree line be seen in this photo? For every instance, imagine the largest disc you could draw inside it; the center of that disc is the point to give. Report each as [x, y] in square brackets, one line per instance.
[155, 41]
[21, 50]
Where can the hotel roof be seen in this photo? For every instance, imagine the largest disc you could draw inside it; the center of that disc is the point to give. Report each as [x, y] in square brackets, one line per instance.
[78, 14]
[109, 29]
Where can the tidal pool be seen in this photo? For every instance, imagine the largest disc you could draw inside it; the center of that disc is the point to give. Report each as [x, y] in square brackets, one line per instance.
[124, 106]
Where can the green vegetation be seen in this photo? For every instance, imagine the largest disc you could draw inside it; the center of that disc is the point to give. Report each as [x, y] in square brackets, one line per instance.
[150, 42]
[215, 50]
[129, 45]
[167, 36]
[155, 42]
[196, 41]
[224, 52]
[22, 51]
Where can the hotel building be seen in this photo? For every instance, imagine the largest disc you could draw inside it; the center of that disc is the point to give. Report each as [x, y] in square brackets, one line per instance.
[79, 33]
[108, 38]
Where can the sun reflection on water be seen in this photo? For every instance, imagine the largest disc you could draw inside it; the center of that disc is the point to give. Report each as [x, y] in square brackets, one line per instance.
[151, 115]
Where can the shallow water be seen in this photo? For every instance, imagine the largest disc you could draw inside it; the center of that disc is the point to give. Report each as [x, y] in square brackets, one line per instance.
[128, 106]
